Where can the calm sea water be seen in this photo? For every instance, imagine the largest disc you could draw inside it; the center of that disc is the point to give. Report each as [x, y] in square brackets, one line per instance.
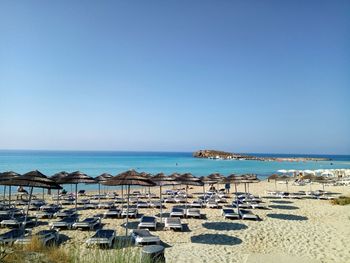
[96, 163]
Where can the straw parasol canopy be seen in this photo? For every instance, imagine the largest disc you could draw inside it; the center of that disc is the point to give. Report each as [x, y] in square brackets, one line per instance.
[8, 176]
[273, 177]
[215, 176]
[128, 178]
[32, 179]
[188, 179]
[284, 178]
[101, 178]
[58, 177]
[76, 178]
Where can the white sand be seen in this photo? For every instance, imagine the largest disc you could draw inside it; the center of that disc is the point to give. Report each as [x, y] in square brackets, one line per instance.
[311, 231]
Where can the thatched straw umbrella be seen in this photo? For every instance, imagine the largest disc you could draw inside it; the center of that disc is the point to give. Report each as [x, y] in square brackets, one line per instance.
[188, 179]
[308, 177]
[31, 179]
[162, 180]
[206, 180]
[128, 178]
[58, 177]
[101, 178]
[7, 176]
[284, 178]
[77, 178]
[274, 177]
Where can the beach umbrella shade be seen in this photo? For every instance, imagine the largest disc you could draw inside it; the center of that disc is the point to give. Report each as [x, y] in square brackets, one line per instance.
[284, 178]
[206, 180]
[161, 179]
[32, 179]
[235, 179]
[216, 176]
[274, 177]
[76, 178]
[148, 176]
[175, 176]
[188, 179]
[101, 178]
[308, 177]
[7, 176]
[58, 177]
[128, 178]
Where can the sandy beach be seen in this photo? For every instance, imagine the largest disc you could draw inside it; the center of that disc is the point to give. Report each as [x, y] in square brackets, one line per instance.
[289, 231]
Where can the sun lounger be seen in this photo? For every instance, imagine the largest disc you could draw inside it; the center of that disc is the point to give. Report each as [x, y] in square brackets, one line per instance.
[244, 214]
[147, 222]
[177, 211]
[196, 203]
[11, 236]
[193, 212]
[156, 204]
[169, 200]
[230, 213]
[106, 205]
[102, 237]
[19, 222]
[143, 236]
[46, 213]
[66, 213]
[133, 212]
[90, 206]
[45, 236]
[143, 205]
[173, 223]
[112, 213]
[83, 201]
[212, 204]
[66, 222]
[67, 202]
[255, 205]
[88, 223]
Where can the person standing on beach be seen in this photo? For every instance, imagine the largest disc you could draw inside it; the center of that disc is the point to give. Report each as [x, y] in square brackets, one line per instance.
[227, 188]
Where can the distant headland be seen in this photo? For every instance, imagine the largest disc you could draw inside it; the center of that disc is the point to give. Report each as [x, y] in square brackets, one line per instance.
[214, 154]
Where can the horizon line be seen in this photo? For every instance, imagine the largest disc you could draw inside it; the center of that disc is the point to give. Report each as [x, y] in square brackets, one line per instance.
[164, 151]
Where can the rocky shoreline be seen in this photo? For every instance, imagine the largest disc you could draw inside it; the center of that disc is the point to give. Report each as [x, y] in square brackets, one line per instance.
[214, 154]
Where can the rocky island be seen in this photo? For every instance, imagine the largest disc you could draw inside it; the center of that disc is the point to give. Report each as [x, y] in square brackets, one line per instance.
[214, 154]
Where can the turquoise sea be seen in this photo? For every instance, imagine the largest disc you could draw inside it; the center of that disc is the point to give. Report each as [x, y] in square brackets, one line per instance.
[95, 163]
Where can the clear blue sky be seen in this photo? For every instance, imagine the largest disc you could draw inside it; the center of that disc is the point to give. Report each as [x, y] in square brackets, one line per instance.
[243, 76]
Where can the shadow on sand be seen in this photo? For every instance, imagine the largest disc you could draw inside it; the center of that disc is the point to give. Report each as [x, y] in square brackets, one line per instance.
[284, 207]
[287, 217]
[220, 226]
[216, 239]
[281, 202]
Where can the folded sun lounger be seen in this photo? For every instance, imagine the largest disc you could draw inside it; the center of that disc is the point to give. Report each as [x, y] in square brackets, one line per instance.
[148, 222]
[143, 236]
[102, 237]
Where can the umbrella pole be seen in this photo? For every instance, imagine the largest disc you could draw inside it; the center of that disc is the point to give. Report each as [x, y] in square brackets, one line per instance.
[287, 186]
[29, 201]
[43, 194]
[76, 196]
[4, 193]
[275, 185]
[186, 196]
[161, 204]
[122, 193]
[10, 194]
[236, 198]
[99, 192]
[127, 213]
[58, 196]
